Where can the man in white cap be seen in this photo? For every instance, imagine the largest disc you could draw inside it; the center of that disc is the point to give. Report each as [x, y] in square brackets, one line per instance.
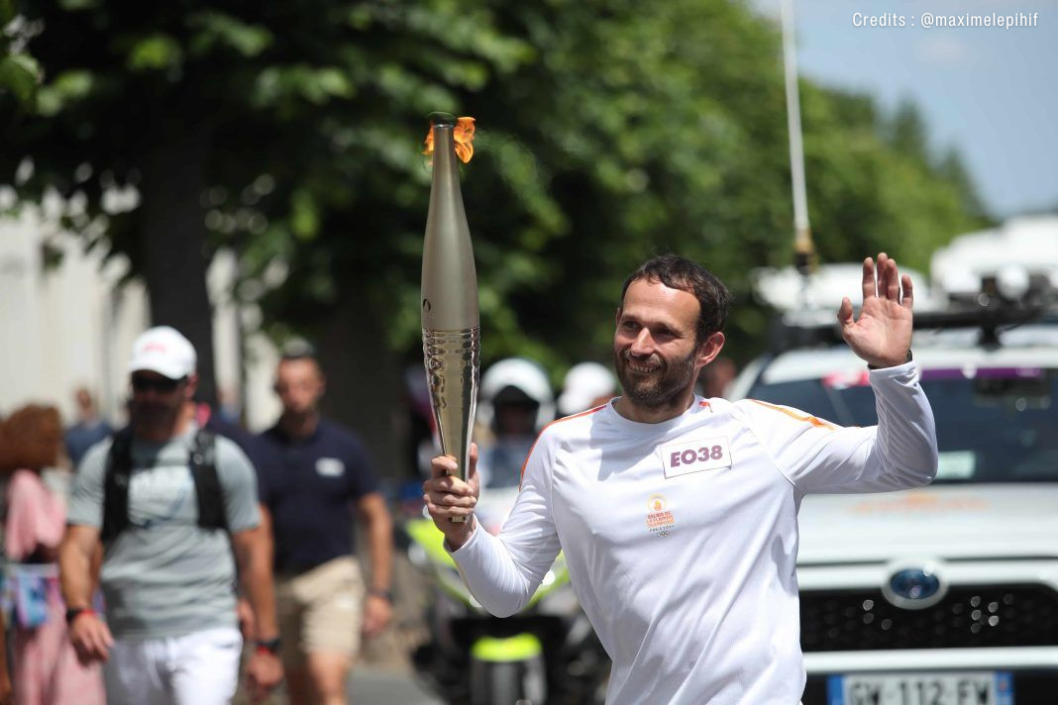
[164, 498]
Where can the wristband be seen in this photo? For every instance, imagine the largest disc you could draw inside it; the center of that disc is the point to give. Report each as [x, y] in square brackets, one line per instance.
[74, 612]
[386, 595]
[907, 360]
[270, 646]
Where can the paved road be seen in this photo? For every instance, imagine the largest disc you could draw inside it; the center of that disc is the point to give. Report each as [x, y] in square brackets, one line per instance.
[387, 687]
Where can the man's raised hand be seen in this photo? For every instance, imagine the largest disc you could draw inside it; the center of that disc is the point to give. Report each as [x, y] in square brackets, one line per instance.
[882, 335]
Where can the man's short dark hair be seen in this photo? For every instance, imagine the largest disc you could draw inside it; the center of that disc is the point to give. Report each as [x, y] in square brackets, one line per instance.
[681, 273]
[298, 349]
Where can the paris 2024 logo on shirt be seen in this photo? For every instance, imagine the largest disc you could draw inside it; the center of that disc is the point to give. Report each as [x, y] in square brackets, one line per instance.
[659, 519]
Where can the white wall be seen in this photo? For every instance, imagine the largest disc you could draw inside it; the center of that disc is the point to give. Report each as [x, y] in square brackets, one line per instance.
[73, 326]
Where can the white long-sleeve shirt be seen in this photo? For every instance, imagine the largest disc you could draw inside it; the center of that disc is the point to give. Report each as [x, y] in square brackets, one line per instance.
[681, 537]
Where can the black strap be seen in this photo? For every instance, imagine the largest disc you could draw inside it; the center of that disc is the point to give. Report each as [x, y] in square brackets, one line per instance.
[116, 486]
[210, 495]
[908, 359]
[208, 491]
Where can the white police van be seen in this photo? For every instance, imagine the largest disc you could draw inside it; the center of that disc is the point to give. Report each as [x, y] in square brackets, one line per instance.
[946, 595]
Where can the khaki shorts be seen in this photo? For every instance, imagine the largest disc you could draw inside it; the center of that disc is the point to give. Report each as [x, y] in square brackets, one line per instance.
[321, 610]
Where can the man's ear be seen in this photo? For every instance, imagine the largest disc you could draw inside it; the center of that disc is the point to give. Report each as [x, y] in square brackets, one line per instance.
[617, 316]
[710, 348]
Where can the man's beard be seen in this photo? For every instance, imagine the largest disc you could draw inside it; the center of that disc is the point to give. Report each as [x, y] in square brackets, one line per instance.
[660, 388]
[154, 414]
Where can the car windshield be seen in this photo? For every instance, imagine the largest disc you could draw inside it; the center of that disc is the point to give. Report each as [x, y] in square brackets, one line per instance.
[993, 424]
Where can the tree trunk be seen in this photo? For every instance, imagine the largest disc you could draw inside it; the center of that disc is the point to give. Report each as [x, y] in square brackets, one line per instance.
[175, 258]
[364, 382]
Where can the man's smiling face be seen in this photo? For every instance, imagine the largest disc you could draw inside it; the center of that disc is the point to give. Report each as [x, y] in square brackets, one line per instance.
[655, 346]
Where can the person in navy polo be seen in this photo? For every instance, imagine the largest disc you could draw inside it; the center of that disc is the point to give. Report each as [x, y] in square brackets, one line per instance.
[322, 476]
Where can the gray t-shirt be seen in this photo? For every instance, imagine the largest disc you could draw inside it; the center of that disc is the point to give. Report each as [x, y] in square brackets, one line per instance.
[164, 576]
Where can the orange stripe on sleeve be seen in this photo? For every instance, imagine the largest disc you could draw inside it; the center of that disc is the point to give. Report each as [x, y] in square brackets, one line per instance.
[566, 418]
[819, 423]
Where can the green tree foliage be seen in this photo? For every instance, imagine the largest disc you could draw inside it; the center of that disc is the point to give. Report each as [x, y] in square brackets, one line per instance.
[907, 132]
[875, 185]
[608, 132]
[19, 72]
[620, 134]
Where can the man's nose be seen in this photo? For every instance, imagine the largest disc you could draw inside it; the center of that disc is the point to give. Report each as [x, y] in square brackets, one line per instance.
[643, 344]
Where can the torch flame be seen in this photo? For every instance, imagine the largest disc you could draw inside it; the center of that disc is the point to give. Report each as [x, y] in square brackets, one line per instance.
[462, 134]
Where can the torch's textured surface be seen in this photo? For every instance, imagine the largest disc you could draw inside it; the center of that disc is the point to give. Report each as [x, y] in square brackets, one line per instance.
[450, 323]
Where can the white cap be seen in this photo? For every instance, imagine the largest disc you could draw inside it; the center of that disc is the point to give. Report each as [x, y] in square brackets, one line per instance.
[163, 350]
[584, 383]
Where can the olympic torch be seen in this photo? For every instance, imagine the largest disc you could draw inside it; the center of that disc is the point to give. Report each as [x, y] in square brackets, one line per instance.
[451, 333]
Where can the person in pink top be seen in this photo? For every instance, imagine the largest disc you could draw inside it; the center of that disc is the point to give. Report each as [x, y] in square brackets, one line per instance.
[46, 670]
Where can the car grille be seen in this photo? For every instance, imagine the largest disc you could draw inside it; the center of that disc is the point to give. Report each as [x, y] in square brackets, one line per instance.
[967, 617]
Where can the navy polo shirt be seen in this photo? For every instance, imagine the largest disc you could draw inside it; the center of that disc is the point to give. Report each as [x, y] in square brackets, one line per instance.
[248, 443]
[309, 487]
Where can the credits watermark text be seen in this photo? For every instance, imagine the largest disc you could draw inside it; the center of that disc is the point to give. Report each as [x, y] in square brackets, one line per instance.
[929, 20]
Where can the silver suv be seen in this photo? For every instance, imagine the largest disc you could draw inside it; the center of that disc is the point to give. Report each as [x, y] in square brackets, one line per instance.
[946, 595]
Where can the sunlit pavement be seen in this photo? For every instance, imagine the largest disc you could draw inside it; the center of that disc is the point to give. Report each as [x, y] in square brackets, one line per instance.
[371, 686]
[384, 675]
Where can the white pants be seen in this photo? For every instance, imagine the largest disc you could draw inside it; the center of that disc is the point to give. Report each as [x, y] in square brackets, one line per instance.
[196, 669]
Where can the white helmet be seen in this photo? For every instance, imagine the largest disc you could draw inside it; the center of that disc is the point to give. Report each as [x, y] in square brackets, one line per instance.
[525, 376]
[584, 383]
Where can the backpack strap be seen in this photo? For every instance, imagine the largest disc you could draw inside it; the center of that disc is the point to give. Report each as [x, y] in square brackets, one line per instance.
[208, 492]
[116, 486]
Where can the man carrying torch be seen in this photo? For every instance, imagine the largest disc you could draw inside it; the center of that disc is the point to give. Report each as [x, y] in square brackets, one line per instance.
[677, 514]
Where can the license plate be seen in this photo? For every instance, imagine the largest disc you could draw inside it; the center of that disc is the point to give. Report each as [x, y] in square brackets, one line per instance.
[979, 688]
